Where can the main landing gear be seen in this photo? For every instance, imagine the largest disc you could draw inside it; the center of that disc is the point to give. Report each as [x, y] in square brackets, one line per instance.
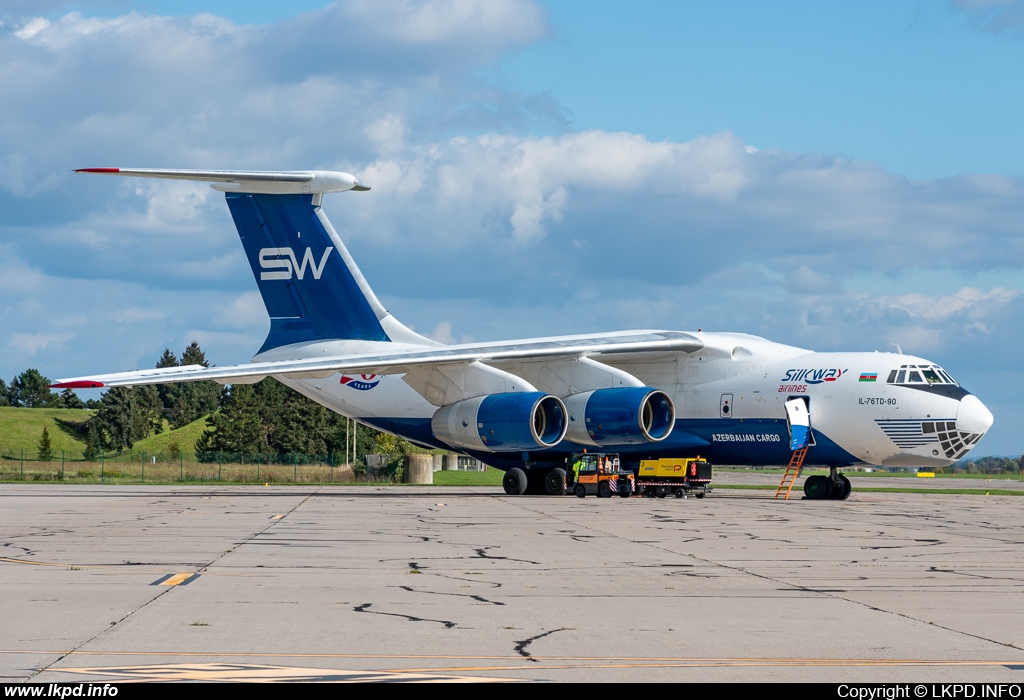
[517, 482]
[835, 487]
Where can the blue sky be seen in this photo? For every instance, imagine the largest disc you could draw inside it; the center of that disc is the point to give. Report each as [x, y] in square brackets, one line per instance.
[839, 176]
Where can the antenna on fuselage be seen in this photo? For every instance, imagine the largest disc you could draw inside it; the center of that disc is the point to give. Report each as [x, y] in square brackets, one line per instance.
[899, 350]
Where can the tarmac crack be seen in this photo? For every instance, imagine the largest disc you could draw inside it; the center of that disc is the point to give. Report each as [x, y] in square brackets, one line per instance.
[478, 598]
[365, 608]
[481, 553]
[27, 552]
[520, 647]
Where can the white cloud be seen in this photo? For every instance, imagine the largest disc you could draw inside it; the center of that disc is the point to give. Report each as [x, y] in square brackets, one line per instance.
[443, 333]
[29, 343]
[246, 311]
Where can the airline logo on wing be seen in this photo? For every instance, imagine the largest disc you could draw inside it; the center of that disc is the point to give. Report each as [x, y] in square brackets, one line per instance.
[283, 263]
[813, 376]
[367, 382]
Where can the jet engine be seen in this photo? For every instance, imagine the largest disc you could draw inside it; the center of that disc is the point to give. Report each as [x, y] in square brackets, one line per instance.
[623, 416]
[511, 422]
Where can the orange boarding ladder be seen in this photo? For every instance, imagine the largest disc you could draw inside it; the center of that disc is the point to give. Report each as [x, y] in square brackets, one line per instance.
[796, 462]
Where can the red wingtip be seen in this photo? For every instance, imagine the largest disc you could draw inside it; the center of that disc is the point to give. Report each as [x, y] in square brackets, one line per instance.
[97, 170]
[77, 385]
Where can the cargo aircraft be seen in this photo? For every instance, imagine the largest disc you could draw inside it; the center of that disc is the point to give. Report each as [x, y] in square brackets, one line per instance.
[524, 406]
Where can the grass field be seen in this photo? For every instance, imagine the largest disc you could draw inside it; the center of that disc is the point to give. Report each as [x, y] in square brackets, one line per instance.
[491, 477]
[20, 429]
[143, 470]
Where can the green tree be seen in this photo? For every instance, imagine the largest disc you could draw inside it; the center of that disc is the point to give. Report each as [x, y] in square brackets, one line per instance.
[45, 448]
[69, 399]
[166, 360]
[238, 427]
[30, 389]
[269, 418]
[5, 399]
[192, 400]
[93, 442]
[128, 414]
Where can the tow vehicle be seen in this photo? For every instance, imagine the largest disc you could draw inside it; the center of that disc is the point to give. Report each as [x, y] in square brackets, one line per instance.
[660, 477]
[599, 474]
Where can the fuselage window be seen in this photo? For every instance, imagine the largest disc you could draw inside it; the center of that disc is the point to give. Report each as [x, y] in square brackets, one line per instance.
[900, 375]
[892, 377]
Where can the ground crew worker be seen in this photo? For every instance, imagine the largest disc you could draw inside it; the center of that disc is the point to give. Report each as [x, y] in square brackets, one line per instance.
[576, 466]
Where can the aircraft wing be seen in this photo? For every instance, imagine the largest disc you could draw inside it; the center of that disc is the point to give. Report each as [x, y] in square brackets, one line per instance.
[401, 361]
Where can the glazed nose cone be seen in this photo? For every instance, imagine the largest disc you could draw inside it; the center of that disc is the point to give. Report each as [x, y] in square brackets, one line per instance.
[972, 416]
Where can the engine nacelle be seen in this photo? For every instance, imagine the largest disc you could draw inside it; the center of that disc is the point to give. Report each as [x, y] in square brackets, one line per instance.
[511, 422]
[623, 416]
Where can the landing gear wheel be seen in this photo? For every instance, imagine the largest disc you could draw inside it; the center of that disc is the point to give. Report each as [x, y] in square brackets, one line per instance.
[514, 482]
[679, 493]
[847, 489]
[554, 482]
[830, 487]
[580, 491]
[604, 490]
[815, 488]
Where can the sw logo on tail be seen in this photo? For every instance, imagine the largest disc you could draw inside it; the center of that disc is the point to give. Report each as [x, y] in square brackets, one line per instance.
[270, 259]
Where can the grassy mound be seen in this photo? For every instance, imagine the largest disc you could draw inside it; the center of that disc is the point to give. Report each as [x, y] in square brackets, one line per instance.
[20, 429]
[184, 438]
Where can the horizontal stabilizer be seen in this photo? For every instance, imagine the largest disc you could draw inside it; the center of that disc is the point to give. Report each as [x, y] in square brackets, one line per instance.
[251, 181]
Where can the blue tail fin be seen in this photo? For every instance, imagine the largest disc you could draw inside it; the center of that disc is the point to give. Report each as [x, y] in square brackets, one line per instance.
[311, 287]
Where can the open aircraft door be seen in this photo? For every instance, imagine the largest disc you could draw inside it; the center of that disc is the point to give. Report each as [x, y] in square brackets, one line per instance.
[798, 417]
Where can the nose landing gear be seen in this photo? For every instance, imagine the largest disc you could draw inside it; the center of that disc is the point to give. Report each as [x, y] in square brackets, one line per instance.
[835, 487]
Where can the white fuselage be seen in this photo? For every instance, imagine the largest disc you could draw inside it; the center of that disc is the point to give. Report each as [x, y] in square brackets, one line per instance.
[730, 402]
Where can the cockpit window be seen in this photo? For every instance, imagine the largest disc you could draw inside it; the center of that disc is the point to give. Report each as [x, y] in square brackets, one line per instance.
[920, 374]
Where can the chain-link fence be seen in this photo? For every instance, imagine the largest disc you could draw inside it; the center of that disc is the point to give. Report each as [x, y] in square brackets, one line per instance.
[183, 467]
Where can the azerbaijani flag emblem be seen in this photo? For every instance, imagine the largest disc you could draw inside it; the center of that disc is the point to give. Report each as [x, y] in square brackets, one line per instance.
[868, 376]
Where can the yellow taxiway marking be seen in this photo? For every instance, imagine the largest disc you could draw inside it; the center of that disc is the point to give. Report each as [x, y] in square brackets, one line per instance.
[259, 673]
[37, 563]
[177, 579]
[563, 661]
